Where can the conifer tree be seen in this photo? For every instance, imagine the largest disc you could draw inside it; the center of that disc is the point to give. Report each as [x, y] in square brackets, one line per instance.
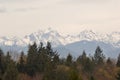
[1, 64]
[49, 54]
[7, 60]
[86, 62]
[32, 53]
[32, 60]
[109, 62]
[40, 58]
[88, 66]
[56, 59]
[82, 58]
[40, 48]
[118, 61]
[49, 50]
[45, 57]
[98, 56]
[8, 57]
[69, 60]
[11, 72]
[21, 64]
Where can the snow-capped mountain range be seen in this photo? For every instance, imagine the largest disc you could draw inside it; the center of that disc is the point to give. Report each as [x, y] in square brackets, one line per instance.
[57, 39]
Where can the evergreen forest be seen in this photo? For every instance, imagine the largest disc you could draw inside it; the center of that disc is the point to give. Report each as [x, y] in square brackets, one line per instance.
[43, 63]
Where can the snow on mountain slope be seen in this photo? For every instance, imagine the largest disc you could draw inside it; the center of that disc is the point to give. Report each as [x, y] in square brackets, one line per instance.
[57, 39]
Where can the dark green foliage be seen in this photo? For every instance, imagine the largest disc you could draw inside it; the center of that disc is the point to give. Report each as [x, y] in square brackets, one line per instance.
[109, 61]
[62, 61]
[31, 65]
[49, 49]
[1, 63]
[1, 60]
[69, 60]
[88, 66]
[1, 52]
[40, 48]
[118, 61]
[42, 63]
[98, 56]
[56, 75]
[41, 58]
[21, 64]
[30, 69]
[73, 75]
[82, 58]
[56, 60]
[11, 72]
[61, 74]
[86, 62]
[32, 53]
[8, 57]
[92, 78]
[7, 60]
[46, 58]
[118, 76]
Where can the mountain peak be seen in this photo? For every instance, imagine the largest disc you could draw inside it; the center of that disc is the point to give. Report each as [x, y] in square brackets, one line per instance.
[49, 30]
[56, 38]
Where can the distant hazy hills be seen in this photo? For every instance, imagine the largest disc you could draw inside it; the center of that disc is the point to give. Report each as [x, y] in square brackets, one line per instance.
[75, 44]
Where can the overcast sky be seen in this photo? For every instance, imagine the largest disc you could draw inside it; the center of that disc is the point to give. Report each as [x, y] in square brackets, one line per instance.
[20, 17]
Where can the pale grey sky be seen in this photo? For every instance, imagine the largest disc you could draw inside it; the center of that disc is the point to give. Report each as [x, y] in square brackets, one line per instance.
[20, 17]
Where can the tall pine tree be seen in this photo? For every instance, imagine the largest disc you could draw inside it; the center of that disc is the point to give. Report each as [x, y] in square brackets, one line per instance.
[69, 60]
[98, 56]
[32, 59]
[21, 64]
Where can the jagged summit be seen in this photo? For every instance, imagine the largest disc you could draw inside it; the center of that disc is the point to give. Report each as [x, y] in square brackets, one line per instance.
[57, 38]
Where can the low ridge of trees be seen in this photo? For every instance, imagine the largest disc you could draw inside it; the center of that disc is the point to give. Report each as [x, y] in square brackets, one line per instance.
[42, 63]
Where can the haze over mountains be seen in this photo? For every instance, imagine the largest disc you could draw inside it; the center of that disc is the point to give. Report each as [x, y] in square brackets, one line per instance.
[86, 40]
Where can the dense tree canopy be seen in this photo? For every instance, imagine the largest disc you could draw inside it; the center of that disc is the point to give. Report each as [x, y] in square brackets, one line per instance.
[43, 63]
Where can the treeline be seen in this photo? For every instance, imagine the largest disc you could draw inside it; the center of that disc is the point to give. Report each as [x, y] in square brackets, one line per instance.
[42, 63]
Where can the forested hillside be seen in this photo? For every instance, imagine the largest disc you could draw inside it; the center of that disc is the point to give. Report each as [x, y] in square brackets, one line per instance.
[42, 63]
